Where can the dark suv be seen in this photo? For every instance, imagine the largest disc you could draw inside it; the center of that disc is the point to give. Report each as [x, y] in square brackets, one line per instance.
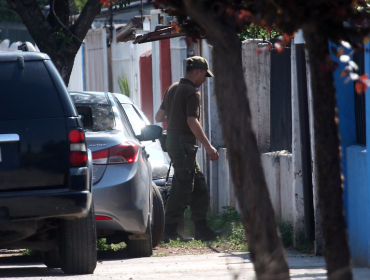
[45, 167]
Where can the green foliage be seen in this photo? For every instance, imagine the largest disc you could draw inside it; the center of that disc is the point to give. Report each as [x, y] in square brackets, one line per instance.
[30, 252]
[302, 244]
[286, 233]
[123, 85]
[63, 38]
[255, 32]
[103, 246]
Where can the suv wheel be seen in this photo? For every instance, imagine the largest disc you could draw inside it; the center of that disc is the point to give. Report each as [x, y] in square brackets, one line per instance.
[78, 244]
[51, 258]
[158, 216]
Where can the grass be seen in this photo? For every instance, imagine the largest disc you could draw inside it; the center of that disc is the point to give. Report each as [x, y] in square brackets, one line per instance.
[299, 242]
[228, 222]
[123, 85]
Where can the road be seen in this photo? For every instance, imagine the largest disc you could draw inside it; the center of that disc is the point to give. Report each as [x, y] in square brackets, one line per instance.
[208, 266]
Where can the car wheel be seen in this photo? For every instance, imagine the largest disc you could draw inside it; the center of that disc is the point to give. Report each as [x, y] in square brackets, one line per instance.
[158, 216]
[51, 258]
[138, 248]
[78, 253]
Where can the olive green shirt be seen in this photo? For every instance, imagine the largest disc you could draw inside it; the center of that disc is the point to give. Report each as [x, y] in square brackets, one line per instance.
[181, 100]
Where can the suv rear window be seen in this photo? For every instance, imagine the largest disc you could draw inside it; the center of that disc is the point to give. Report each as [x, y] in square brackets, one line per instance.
[29, 93]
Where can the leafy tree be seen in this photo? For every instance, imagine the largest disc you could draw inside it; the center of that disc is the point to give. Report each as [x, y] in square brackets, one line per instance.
[321, 20]
[55, 35]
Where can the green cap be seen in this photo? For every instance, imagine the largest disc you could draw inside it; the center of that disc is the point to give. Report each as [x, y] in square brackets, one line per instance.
[199, 62]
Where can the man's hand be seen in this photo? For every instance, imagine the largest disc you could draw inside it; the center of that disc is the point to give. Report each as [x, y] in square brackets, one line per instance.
[212, 153]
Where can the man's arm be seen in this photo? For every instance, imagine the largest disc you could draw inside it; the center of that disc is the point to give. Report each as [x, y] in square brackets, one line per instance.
[198, 132]
[160, 116]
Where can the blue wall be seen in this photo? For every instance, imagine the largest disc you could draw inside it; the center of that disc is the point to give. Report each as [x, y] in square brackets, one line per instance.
[354, 160]
[358, 228]
[346, 115]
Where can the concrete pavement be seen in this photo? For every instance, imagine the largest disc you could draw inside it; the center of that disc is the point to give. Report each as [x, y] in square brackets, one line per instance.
[208, 266]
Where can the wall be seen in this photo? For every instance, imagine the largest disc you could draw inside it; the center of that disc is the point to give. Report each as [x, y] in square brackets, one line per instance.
[355, 168]
[125, 63]
[257, 78]
[358, 205]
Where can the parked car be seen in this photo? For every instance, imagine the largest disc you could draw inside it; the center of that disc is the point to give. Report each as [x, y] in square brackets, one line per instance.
[45, 166]
[161, 172]
[128, 206]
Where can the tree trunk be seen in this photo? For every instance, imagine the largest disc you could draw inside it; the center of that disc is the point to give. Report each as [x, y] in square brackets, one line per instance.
[327, 153]
[265, 246]
[54, 36]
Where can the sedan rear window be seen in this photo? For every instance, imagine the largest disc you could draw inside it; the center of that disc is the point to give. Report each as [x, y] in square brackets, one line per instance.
[96, 117]
[135, 119]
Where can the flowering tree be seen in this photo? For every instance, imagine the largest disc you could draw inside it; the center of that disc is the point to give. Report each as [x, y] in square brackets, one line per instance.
[321, 20]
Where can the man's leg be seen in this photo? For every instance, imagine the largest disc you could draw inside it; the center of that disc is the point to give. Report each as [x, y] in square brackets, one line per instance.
[199, 207]
[181, 188]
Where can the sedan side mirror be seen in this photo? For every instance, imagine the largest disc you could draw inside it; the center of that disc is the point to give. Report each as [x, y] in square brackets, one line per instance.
[150, 133]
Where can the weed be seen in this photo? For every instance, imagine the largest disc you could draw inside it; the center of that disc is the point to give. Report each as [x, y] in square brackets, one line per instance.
[286, 233]
[123, 85]
[159, 255]
[103, 246]
[302, 244]
[30, 252]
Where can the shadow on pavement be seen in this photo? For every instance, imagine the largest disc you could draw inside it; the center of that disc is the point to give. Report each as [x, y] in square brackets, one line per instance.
[32, 266]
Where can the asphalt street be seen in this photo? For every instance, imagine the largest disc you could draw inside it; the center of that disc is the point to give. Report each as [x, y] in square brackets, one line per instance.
[208, 266]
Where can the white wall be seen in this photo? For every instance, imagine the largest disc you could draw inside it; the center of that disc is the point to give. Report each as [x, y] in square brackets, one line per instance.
[125, 62]
[76, 81]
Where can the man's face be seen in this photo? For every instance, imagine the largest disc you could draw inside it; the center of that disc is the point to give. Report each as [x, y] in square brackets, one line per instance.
[201, 77]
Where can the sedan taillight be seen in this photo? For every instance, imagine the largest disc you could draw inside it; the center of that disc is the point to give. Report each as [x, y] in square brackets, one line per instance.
[120, 154]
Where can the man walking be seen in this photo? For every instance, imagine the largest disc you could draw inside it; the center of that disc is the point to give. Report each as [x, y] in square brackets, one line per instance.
[181, 108]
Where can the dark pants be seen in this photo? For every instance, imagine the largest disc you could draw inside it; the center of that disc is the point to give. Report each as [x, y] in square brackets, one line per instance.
[189, 186]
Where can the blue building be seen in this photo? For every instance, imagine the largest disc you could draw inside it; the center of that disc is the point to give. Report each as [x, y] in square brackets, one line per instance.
[354, 126]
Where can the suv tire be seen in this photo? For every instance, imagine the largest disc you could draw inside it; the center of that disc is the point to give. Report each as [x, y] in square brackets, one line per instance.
[78, 253]
[158, 216]
[51, 258]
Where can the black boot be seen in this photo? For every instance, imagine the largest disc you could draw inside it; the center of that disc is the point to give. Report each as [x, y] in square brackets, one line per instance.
[203, 232]
[170, 233]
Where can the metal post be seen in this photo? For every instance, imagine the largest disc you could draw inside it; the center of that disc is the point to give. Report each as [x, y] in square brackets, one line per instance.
[305, 141]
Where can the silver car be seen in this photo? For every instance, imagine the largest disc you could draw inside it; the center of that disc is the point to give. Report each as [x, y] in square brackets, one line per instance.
[128, 206]
[160, 161]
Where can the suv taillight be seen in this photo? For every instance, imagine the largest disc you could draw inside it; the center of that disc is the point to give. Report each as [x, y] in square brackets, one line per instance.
[78, 152]
[123, 153]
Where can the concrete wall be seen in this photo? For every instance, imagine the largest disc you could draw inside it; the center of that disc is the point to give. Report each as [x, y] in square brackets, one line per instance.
[278, 173]
[297, 183]
[257, 78]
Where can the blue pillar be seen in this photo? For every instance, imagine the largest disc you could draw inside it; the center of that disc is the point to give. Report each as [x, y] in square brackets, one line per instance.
[346, 114]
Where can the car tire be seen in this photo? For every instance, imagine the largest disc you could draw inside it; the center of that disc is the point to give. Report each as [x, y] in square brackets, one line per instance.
[138, 248]
[78, 253]
[51, 258]
[158, 216]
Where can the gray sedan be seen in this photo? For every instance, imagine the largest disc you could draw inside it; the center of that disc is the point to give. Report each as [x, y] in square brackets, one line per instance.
[128, 206]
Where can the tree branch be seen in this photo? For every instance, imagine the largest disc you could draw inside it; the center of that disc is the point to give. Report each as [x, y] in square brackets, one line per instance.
[86, 18]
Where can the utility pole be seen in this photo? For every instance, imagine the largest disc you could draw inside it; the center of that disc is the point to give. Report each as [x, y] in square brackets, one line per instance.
[110, 22]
